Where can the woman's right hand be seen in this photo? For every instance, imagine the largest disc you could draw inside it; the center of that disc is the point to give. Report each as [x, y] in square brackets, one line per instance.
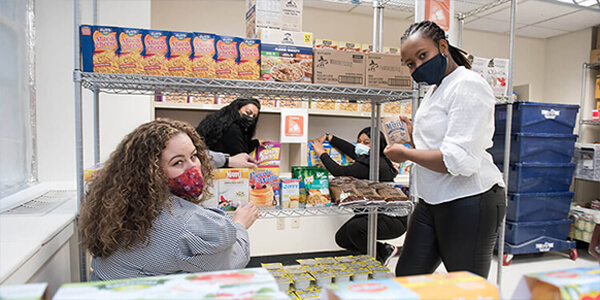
[246, 214]
[409, 128]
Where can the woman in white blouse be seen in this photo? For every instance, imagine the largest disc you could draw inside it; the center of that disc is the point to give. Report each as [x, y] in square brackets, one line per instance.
[460, 190]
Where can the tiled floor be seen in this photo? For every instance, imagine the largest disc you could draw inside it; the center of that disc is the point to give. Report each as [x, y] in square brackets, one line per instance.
[528, 263]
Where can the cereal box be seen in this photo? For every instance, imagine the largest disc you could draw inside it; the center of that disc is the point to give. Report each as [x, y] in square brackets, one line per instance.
[99, 48]
[326, 44]
[226, 56]
[578, 283]
[268, 154]
[286, 56]
[248, 62]
[179, 61]
[155, 52]
[203, 61]
[130, 51]
[290, 193]
[264, 186]
[395, 131]
[231, 186]
[335, 154]
[350, 46]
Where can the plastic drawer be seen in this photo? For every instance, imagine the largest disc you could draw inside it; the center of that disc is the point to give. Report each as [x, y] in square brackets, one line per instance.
[530, 207]
[535, 147]
[535, 117]
[539, 177]
[521, 232]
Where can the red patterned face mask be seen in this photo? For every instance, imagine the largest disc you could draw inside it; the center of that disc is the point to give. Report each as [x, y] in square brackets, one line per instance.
[189, 184]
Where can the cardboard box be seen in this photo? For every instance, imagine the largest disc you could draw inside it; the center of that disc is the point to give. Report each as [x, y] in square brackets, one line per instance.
[248, 62]
[336, 67]
[286, 56]
[231, 187]
[99, 48]
[273, 14]
[327, 44]
[597, 93]
[226, 56]
[598, 104]
[131, 46]
[155, 52]
[203, 61]
[350, 46]
[387, 71]
[30, 291]
[578, 283]
[595, 56]
[264, 186]
[179, 62]
[290, 193]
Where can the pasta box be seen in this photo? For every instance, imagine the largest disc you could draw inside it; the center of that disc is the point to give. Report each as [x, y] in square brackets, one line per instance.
[99, 48]
[248, 61]
[203, 61]
[155, 52]
[226, 56]
[179, 62]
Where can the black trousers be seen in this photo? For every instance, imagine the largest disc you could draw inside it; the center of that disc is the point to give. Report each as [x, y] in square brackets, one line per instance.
[461, 233]
[353, 234]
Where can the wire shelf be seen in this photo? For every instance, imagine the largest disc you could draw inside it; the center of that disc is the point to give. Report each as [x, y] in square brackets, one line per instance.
[151, 85]
[402, 209]
[590, 122]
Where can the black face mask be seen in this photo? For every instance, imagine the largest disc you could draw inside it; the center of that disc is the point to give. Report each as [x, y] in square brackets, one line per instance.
[247, 121]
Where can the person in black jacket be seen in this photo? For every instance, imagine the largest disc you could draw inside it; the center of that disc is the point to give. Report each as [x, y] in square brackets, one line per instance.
[353, 234]
[231, 129]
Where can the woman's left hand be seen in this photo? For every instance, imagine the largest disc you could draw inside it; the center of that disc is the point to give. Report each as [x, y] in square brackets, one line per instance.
[318, 146]
[396, 152]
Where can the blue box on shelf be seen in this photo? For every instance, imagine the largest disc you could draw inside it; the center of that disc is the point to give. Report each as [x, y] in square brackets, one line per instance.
[535, 117]
[530, 207]
[539, 177]
[521, 232]
[535, 147]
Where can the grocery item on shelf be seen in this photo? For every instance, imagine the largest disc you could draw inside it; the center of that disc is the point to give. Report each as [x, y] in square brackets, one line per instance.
[203, 98]
[336, 67]
[203, 61]
[264, 186]
[595, 115]
[314, 184]
[335, 154]
[274, 14]
[395, 131]
[269, 154]
[290, 193]
[172, 97]
[391, 50]
[231, 186]
[578, 283]
[326, 44]
[248, 62]
[346, 105]
[287, 102]
[129, 55]
[387, 71]
[286, 56]
[366, 48]
[324, 104]
[179, 62]
[226, 56]
[90, 173]
[155, 52]
[346, 190]
[99, 47]
[350, 46]
[597, 91]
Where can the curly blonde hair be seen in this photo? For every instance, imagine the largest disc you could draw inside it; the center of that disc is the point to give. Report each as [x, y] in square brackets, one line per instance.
[130, 191]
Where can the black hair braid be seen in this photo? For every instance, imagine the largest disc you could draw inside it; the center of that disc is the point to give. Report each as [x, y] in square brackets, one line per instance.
[432, 31]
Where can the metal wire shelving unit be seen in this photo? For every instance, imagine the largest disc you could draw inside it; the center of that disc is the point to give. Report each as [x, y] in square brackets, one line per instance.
[401, 208]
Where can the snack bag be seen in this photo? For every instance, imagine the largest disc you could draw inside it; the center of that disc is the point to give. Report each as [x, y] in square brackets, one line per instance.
[268, 154]
[316, 183]
[264, 186]
[395, 131]
[300, 173]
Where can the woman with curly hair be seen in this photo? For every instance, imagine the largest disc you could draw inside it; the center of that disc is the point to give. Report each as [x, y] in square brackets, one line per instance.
[142, 215]
[231, 129]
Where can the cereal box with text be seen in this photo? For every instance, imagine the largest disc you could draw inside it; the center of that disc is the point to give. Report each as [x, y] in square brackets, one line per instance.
[155, 52]
[99, 48]
[578, 283]
[326, 44]
[269, 154]
[248, 62]
[231, 186]
[290, 193]
[264, 186]
[179, 62]
[203, 61]
[226, 57]
[286, 56]
[350, 46]
[131, 46]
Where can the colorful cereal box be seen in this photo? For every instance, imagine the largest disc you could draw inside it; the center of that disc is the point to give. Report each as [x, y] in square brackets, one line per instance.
[99, 47]
[335, 154]
[231, 186]
[179, 61]
[286, 56]
[155, 52]
[578, 283]
[350, 46]
[290, 193]
[203, 61]
[264, 186]
[226, 57]
[327, 44]
[131, 46]
[269, 154]
[248, 62]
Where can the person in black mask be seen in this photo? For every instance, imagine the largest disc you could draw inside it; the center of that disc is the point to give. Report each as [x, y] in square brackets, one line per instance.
[231, 129]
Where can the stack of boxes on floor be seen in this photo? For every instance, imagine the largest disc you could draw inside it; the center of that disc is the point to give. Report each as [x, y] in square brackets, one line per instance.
[540, 174]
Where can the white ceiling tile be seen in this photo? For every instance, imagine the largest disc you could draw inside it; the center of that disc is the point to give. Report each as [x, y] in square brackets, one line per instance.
[487, 24]
[573, 22]
[538, 32]
[503, 6]
[533, 12]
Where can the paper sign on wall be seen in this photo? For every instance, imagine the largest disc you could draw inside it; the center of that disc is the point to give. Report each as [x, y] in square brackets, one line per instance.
[438, 11]
[294, 125]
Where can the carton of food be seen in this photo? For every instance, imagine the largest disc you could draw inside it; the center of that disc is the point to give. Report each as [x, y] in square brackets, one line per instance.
[391, 50]
[336, 67]
[301, 281]
[264, 186]
[286, 56]
[578, 283]
[326, 44]
[366, 48]
[248, 62]
[99, 47]
[395, 131]
[269, 154]
[273, 14]
[335, 154]
[322, 278]
[453, 285]
[232, 187]
[155, 52]
[179, 62]
[350, 46]
[371, 289]
[290, 193]
[131, 46]
[387, 71]
[284, 282]
[203, 61]
[226, 57]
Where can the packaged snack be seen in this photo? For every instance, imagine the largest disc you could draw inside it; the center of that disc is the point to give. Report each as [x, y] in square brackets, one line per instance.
[328, 44]
[395, 131]
[174, 97]
[295, 269]
[290, 193]
[380, 272]
[348, 106]
[248, 62]
[272, 266]
[350, 46]
[301, 281]
[284, 282]
[232, 187]
[322, 278]
[308, 294]
[299, 173]
[307, 262]
[179, 62]
[203, 98]
[226, 57]
[155, 52]
[346, 194]
[268, 154]
[131, 46]
[342, 276]
[316, 182]
[264, 186]
[99, 47]
[203, 61]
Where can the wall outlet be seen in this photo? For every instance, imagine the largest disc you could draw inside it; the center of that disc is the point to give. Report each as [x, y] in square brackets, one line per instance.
[295, 222]
[280, 223]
